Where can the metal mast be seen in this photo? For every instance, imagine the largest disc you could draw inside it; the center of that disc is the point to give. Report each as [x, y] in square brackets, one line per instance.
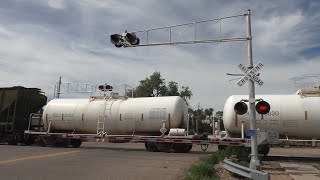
[254, 162]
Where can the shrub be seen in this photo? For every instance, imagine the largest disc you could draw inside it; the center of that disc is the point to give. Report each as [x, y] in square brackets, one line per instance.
[205, 169]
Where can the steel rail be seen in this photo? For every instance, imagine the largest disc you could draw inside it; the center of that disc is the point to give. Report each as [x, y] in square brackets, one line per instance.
[292, 158]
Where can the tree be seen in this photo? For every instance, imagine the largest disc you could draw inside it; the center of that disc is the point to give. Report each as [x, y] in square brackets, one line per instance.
[186, 93]
[219, 118]
[155, 86]
[204, 118]
[172, 89]
[151, 87]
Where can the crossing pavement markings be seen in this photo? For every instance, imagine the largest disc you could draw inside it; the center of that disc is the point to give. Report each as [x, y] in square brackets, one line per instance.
[36, 157]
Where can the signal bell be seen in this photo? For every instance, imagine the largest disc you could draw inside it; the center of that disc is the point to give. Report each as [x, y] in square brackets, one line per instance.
[263, 107]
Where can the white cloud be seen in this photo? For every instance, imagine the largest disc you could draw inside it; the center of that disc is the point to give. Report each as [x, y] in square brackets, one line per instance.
[36, 50]
[57, 4]
[276, 30]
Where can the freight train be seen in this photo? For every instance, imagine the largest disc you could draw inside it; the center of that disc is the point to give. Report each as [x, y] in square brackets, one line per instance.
[161, 123]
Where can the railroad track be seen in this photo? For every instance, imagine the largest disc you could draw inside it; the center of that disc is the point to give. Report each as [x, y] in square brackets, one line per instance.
[292, 158]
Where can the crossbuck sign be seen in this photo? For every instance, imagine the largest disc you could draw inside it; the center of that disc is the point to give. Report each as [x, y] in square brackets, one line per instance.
[250, 74]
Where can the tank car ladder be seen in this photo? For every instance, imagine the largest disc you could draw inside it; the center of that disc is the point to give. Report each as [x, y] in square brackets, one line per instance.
[101, 120]
[104, 113]
[11, 115]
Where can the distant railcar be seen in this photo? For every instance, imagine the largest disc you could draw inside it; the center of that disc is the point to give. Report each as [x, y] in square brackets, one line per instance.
[16, 105]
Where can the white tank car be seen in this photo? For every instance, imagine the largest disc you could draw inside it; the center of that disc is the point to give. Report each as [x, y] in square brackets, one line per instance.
[294, 116]
[119, 116]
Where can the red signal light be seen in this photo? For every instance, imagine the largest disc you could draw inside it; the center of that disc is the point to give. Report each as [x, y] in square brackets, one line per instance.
[263, 107]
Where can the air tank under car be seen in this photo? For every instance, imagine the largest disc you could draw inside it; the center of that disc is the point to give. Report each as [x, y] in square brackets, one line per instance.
[116, 115]
[295, 116]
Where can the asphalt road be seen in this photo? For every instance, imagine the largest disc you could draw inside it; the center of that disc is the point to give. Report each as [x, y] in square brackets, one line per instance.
[94, 161]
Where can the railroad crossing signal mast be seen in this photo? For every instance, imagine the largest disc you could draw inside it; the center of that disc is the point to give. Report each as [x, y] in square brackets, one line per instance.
[130, 39]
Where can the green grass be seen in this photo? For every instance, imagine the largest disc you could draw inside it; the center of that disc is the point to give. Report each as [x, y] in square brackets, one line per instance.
[205, 169]
[244, 163]
[201, 171]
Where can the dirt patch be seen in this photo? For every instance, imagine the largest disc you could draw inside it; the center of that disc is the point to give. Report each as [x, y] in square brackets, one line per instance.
[224, 174]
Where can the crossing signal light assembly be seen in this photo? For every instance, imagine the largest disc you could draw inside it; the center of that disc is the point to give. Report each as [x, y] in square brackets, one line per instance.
[105, 87]
[132, 39]
[124, 39]
[262, 107]
[240, 108]
[117, 40]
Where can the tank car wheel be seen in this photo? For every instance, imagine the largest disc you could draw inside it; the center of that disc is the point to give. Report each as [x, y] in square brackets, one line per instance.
[75, 143]
[189, 147]
[154, 147]
[13, 142]
[177, 148]
[264, 149]
[28, 141]
[181, 148]
[61, 143]
[148, 146]
[42, 142]
[151, 146]
[66, 143]
[221, 147]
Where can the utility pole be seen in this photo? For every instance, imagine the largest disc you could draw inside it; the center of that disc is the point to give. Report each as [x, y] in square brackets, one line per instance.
[197, 120]
[58, 88]
[254, 162]
[125, 90]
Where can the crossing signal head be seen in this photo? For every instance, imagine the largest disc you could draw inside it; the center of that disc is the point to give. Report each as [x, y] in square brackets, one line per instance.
[263, 107]
[132, 39]
[117, 40]
[105, 87]
[240, 108]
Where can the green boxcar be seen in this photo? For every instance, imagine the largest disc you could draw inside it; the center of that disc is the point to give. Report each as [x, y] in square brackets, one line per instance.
[16, 105]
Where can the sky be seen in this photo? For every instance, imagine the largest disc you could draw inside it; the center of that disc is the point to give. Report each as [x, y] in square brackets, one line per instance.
[41, 40]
